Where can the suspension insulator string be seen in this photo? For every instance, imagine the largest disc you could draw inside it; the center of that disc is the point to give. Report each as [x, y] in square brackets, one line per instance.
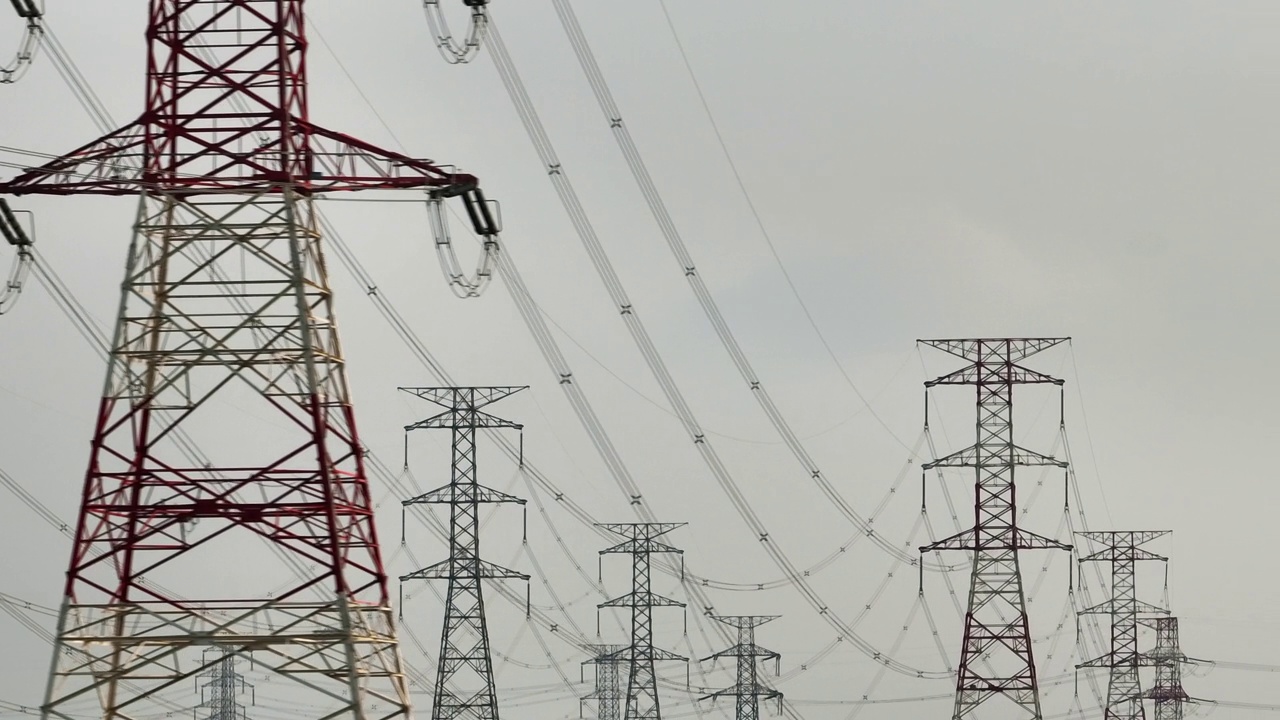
[32, 11]
[486, 226]
[18, 237]
[454, 52]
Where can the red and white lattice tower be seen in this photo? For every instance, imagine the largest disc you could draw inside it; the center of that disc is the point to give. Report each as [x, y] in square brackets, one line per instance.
[226, 303]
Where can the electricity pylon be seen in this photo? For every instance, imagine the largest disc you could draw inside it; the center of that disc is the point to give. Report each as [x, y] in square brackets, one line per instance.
[748, 690]
[642, 680]
[464, 677]
[1121, 549]
[220, 694]
[608, 682]
[226, 303]
[996, 631]
[1168, 658]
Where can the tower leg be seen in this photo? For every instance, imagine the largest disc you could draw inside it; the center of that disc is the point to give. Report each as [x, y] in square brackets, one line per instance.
[226, 302]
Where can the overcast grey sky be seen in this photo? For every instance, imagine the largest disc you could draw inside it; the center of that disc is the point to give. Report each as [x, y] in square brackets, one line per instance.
[1106, 171]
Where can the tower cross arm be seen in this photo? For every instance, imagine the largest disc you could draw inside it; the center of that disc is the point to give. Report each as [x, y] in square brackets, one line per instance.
[1114, 554]
[744, 621]
[459, 398]
[971, 457]
[640, 531]
[120, 163]
[462, 419]
[1012, 349]
[744, 650]
[641, 599]
[1128, 607]
[1023, 540]
[632, 547]
[1123, 538]
[459, 493]
[629, 654]
[762, 692]
[973, 375]
[445, 570]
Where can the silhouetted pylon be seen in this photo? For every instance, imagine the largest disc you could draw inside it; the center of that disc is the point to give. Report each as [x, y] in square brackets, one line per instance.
[996, 657]
[1121, 549]
[748, 690]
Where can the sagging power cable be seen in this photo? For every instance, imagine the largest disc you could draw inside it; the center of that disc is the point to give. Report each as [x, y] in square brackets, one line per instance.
[688, 268]
[704, 447]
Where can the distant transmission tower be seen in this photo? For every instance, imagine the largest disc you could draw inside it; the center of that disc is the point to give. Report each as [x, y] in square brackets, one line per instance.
[642, 680]
[464, 677]
[225, 303]
[748, 689]
[1167, 657]
[223, 686]
[996, 632]
[1121, 549]
[608, 676]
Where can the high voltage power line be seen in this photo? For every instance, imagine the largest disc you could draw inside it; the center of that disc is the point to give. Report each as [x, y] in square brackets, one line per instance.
[792, 575]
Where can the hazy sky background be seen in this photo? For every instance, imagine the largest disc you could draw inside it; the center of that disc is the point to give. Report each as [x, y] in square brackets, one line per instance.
[1106, 171]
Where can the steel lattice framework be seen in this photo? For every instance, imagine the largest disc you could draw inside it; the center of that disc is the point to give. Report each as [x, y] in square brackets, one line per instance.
[748, 690]
[464, 677]
[996, 657]
[641, 656]
[221, 692]
[1167, 657]
[226, 162]
[608, 682]
[1122, 549]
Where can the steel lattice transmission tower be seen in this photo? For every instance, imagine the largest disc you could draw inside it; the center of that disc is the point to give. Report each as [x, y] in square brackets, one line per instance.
[223, 686]
[1168, 658]
[226, 163]
[996, 656]
[642, 680]
[608, 681]
[1122, 549]
[464, 676]
[748, 690]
